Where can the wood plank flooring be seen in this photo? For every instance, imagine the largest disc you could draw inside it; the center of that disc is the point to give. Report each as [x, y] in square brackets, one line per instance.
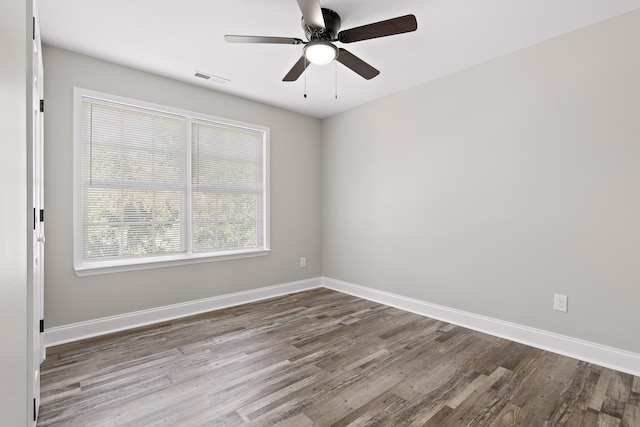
[323, 358]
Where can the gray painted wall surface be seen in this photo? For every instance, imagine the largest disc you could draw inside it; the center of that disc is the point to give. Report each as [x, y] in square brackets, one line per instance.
[14, 402]
[494, 188]
[295, 198]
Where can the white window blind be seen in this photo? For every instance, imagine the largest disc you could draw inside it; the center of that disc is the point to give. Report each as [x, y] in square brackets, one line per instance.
[227, 182]
[159, 184]
[133, 178]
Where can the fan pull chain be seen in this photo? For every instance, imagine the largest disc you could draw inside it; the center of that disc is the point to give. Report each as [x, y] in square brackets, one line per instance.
[305, 76]
[336, 62]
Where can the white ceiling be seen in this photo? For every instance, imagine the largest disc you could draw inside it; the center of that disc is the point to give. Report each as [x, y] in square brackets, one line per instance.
[175, 38]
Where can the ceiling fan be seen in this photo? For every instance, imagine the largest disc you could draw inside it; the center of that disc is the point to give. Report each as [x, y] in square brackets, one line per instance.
[321, 29]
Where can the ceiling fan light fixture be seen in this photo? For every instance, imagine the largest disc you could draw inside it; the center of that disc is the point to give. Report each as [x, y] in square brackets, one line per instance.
[320, 52]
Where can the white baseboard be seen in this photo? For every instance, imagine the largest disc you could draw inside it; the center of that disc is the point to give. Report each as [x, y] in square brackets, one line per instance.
[609, 357]
[77, 331]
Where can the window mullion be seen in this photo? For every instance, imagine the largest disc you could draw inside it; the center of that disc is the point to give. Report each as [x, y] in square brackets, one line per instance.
[188, 211]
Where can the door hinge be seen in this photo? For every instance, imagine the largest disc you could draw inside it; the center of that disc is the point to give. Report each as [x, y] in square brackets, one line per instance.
[34, 218]
[41, 215]
[33, 27]
[41, 325]
[42, 105]
[35, 415]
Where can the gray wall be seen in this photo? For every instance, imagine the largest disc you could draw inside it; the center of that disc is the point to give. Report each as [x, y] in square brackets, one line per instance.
[295, 198]
[14, 401]
[494, 188]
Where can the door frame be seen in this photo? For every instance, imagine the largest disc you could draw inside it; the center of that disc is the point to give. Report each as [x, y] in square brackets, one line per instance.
[35, 196]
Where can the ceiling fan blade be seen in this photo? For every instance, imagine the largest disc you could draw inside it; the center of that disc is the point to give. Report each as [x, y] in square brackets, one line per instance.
[297, 70]
[312, 13]
[356, 64]
[262, 39]
[390, 27]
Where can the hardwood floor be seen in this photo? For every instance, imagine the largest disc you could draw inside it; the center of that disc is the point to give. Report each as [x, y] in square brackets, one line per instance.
[324, 358]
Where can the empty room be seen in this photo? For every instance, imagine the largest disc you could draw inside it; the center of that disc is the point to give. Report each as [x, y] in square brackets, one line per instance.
[320, 213]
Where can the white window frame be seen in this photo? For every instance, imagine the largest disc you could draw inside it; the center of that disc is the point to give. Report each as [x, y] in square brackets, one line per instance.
[84, 267]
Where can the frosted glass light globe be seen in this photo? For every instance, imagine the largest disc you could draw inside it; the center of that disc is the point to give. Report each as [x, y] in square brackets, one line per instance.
[320, 52]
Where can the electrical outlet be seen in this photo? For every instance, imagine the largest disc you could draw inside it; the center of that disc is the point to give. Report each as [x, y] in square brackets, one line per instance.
[560, 302]
[303, 261]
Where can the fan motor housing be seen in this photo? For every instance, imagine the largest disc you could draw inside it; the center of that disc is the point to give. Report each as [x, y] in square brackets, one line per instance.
[331, 24]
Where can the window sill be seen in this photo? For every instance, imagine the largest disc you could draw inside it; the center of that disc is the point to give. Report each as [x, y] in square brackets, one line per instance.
[104, 267]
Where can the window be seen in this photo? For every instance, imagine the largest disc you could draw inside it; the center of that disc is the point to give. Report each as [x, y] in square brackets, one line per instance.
[155, 185]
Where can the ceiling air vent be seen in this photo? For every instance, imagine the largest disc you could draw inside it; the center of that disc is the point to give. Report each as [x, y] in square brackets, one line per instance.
[211, 77]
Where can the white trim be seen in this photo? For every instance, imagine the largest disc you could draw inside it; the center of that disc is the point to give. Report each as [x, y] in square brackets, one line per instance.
[91, 328]
[602, 355]
[120, 265]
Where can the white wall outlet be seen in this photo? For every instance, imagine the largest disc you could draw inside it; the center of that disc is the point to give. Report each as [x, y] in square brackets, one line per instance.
[560, 302]
[303, 261]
